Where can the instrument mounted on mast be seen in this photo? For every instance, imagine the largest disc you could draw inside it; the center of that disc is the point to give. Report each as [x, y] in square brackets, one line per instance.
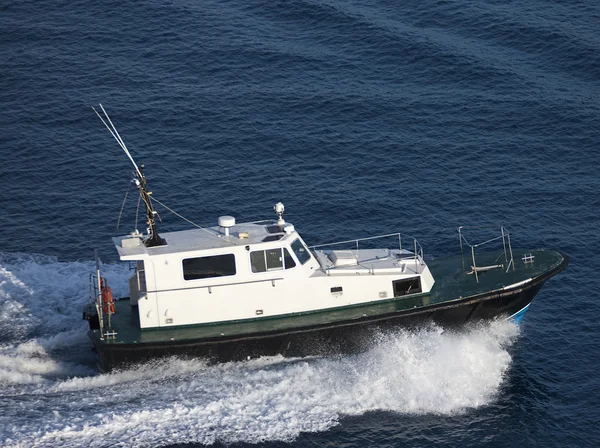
[153, 238]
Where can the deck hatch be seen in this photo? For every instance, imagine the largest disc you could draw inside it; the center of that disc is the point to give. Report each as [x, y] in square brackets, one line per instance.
[273, 229]
[272, 238]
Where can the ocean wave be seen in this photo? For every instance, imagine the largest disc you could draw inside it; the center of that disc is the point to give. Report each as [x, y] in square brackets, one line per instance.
[426, 371]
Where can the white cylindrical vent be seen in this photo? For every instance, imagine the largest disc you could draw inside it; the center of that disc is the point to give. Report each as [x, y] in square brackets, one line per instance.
[226, 222]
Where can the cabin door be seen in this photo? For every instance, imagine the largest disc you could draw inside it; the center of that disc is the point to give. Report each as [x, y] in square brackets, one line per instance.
[140, 283]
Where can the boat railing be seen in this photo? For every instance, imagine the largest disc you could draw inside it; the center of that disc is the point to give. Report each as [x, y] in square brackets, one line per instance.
[507, 253]
[95, 301]
[403, 242]
[137, 282]
[97, 284]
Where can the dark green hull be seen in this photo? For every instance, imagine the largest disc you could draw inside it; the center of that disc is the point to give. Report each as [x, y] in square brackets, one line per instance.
[455, 300]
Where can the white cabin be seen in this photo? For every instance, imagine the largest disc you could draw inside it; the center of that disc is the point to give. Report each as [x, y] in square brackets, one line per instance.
[257, 269]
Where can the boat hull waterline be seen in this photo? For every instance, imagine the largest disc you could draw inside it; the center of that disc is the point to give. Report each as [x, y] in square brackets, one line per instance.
[350, 335]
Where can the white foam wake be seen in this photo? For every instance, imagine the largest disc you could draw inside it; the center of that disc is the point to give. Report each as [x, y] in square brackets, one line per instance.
[50, 394]
[39, 295]
[42, 334]
[177, 401]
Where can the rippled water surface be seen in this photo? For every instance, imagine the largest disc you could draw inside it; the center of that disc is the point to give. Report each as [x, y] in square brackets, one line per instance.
[363, 117]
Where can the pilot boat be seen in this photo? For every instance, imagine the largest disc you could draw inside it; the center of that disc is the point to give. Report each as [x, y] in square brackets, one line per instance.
[236, 291]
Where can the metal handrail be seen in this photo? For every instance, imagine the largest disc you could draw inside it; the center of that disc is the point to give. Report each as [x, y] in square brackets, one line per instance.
[221, 284]
[96, 282]
[505, 237]
[96, 300]
[417, 251]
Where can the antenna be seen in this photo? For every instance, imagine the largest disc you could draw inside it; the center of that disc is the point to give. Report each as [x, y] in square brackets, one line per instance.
[140, 180]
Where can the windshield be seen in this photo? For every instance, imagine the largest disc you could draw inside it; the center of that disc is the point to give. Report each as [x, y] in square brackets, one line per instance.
[301, 252]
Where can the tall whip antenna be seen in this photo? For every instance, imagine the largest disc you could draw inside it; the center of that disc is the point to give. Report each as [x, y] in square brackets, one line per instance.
[140, 180]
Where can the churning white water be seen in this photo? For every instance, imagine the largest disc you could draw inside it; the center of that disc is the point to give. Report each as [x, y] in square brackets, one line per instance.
[51, 394]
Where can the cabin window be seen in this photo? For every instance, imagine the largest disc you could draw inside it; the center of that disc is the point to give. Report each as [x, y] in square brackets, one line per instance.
[258, 261]
[301, 251]
[209, 267]
[141, 277]
[407, 286]
[271, 260]
[274, 259]
[287, 258]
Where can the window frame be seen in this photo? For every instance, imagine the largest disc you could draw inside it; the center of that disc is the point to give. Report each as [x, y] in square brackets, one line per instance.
[417, 290]
[183, 271]
[283, 263]
[298, 240]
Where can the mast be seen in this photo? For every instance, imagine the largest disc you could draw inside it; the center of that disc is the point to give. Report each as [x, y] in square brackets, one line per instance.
[154, 238]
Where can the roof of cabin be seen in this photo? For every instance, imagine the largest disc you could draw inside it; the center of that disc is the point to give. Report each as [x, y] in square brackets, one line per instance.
[130, 246]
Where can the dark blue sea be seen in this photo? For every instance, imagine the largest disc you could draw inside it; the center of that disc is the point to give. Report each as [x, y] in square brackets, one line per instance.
[363, 118]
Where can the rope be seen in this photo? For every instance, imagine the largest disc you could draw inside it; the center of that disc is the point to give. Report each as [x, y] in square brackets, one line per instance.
[177, 214]
[191, 222]
[137, 212]
[123, 206]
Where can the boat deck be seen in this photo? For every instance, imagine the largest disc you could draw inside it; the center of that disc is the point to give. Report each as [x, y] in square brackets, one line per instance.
[451, 284]
[367, 261]
[240, 234]
[451, 279]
